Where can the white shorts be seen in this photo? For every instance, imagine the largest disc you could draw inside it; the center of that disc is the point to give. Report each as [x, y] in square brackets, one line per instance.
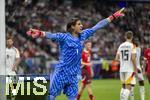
[10, 72]
[127, 78]
[12, 78]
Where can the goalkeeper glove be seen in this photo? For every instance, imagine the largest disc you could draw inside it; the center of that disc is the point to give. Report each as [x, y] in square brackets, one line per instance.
[116, 15]
[35, 33]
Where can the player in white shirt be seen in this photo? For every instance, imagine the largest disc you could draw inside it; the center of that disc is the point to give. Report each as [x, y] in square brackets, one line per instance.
[12, 61]
[139, 75]
[126, 54]
[12, 57]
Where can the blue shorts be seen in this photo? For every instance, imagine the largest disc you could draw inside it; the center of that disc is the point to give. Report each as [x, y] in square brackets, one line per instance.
[61, 81]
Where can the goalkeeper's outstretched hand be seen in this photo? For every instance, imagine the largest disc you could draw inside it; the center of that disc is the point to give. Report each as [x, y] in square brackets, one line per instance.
[34, 33]
[117, 14]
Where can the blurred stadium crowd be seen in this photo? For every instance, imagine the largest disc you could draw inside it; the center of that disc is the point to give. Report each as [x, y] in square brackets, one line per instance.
[52, 15]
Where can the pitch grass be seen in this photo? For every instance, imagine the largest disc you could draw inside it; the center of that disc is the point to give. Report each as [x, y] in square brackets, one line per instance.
[109, 90]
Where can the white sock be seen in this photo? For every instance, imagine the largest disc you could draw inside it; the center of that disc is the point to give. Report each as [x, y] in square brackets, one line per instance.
[122, 94]
[122, 89]
[142, 92]
[126, 94]
[132, 93]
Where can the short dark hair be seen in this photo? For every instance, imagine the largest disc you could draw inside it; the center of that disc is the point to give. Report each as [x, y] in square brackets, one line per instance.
[9, 37]
[70, 23]
[87, 41]
[129, 35]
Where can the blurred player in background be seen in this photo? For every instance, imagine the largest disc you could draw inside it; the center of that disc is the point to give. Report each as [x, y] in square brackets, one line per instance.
[139, 75]
[12, 61]
[147, 61]
[70, 42]
[87, 71]
[126, 54]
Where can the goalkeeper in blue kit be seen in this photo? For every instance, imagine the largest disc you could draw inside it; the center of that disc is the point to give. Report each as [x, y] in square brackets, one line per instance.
[70, 47]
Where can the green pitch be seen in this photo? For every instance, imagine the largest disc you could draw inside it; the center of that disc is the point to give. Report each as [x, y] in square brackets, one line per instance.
[109, 90]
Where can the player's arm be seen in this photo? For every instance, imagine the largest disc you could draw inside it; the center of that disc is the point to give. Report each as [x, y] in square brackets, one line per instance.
[17, 60]
[145, 57]
[117, 57]
[88, 32]
[144, 60]
[104, 22]
[141, 62]
[133, 58]
[92, 72]
[115, 62]
[34, 33]
[144, 63]
[85, 63]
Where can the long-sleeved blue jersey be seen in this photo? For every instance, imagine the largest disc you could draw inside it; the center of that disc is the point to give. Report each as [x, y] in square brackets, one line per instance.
[71, 48]
[65, 75]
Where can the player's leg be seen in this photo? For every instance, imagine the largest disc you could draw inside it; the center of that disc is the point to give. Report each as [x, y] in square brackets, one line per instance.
[71, 88]
[83, 84]
[12, 89]
[142, 90]
[13, 76]
[51, 97]
[89, 89]
[132, 92]
[71, 98]
[81, 88]
[127, 79]
[148, 75]
[56, 85]
[12, 80]
[88, 84]
[123, 85]
[126, 92]
[130, 79]
[122, 91]
[140, 78]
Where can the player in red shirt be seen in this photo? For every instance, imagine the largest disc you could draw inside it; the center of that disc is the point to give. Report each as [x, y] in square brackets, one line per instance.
[87, 71]
[147, 60]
